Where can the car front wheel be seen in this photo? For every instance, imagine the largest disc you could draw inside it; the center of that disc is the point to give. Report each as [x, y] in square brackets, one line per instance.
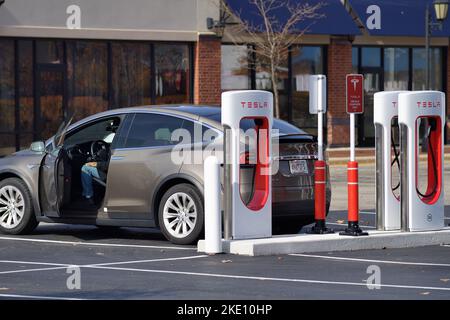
[181, 214]
[16, 212]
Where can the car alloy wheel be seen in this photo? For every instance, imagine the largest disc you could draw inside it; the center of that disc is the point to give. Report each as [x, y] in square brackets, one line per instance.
[180, 215]
[12, 207]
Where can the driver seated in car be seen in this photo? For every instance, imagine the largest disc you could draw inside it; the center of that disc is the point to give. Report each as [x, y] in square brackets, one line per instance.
[93, 169]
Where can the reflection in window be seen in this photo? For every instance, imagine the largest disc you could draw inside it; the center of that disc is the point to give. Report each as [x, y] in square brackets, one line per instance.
[263, 81]
[355, 59]
[436, 69]
[7, 96]
[87, 77]
[396, 69]
[306, 61]
[130, 74]
[235, 69]
[49, 51]
[370, 57]
[172, 73]
[26, 88]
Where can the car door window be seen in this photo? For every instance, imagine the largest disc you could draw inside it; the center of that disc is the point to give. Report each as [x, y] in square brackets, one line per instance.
[152, 130]
[199, 132]
[101, 130]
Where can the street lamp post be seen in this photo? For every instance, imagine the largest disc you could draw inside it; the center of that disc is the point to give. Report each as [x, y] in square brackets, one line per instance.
[441, 11]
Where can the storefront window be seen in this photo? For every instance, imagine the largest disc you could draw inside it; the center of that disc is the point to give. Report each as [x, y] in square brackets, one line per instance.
[396, 69]
[306, 61]
[355, 59]
[235, 68]
[370, 57]
[130, 74]
[87, 73]
[436, 69]
[7, 97]
[172, 73]
[49, 51]
[263, 82]
[26, 99]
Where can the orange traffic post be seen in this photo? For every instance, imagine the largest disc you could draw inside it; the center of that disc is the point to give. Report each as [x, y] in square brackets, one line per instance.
[353, 228]
[320, 208]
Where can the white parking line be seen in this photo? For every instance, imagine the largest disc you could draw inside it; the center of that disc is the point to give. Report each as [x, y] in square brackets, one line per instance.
[143, 261]
[213, 275]
[35, 263]
[371, 260]
[21, 296]
[81, 243]
[58, 266]
[368, 212]
[31, 270]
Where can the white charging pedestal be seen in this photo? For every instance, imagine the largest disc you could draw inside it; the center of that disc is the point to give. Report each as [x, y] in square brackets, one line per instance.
[247, 218]
[421, 212]
[387, 203]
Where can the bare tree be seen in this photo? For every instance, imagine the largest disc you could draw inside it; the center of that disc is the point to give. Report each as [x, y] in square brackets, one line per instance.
[272, 39]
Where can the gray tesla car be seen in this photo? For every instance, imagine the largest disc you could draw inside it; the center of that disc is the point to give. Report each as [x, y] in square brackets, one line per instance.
[140, 184]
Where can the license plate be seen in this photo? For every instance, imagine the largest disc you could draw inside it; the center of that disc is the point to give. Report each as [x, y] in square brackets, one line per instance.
[298, 166]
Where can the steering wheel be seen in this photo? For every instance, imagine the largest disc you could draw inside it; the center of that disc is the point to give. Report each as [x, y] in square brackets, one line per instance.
[96, 146]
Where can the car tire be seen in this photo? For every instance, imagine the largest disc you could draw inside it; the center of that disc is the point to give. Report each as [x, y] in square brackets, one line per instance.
[14, 195]
[180, 214]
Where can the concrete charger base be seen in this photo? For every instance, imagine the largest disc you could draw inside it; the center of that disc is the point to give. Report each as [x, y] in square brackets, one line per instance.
[307, 243]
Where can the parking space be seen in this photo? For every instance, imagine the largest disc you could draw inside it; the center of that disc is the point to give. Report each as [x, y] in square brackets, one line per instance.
[40, 267]
[133, 263]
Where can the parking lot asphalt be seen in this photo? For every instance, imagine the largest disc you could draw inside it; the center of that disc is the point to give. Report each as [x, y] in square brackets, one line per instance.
[131, 263]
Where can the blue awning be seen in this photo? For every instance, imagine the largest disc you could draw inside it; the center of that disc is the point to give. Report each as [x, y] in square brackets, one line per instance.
[336, 20]
[397, 17]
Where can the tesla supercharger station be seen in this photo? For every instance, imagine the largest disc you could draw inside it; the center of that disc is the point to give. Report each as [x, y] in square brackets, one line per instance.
[421, 211]
[249, 218]
[387, 203]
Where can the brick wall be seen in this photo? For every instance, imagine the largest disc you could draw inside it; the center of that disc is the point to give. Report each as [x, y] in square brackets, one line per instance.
[207, 86]
[339, 65]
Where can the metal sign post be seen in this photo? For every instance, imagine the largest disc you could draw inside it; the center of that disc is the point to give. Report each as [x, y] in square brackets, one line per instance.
[317, 105]
[355, 105]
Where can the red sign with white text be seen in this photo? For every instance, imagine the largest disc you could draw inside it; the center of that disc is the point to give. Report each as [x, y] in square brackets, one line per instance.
[355, 93]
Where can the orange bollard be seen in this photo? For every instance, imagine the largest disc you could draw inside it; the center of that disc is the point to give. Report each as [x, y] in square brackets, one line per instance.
[320, 183]
[353, 228]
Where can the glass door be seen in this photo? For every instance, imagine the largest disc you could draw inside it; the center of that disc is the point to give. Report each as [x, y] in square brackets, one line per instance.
[50, 100]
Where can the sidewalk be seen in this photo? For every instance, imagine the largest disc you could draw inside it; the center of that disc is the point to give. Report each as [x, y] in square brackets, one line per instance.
[340, 156]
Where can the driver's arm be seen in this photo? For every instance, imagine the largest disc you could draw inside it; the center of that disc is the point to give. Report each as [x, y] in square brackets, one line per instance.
[92, 164]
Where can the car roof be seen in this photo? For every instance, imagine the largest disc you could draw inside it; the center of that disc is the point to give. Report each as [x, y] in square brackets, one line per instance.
[203, 113]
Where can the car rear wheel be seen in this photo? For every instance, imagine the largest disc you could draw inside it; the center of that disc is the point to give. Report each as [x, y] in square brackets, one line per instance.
[181, 214]
[16, 210]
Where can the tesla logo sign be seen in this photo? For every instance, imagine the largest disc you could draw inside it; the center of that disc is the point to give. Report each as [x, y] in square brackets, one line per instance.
[254, 104]
[355, 94]
[428, 104]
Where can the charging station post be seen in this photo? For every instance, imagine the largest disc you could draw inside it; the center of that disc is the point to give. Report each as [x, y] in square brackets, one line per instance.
[317, 105]
[355, 105]
[422, 210]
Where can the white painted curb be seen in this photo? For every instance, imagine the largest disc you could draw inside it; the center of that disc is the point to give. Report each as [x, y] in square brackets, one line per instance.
[306, 243]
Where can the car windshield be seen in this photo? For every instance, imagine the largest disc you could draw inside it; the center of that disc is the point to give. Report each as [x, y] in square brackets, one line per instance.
[283, 127]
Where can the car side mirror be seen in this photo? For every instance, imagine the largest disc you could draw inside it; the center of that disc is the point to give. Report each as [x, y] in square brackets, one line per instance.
[37, 146]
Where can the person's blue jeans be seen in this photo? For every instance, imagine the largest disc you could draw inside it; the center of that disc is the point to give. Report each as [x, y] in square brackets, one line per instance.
[87, 172]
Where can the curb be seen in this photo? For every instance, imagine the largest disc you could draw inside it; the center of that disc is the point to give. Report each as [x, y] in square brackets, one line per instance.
[306, 243]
